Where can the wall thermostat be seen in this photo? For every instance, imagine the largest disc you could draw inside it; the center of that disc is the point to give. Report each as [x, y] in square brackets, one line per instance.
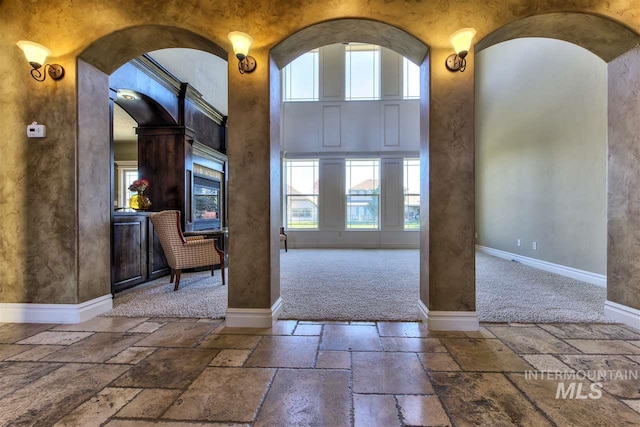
[34, 130]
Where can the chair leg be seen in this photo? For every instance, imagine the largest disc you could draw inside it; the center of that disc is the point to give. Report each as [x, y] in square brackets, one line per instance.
[285, 245]
[222, 270]
[213, 268]
[173, 275]
[175, 288]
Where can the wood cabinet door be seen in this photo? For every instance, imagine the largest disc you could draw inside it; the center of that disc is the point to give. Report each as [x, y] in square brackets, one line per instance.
[130, 252]
[158, 265]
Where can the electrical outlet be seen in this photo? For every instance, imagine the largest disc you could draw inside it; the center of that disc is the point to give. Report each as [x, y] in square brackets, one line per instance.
[535, 246]
[518, 242]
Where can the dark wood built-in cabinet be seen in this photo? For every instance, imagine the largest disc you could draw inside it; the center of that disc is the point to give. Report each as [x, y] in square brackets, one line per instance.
[137, 253]
[165, 158]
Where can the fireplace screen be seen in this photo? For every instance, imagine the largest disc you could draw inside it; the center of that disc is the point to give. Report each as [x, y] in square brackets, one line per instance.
[206, 195]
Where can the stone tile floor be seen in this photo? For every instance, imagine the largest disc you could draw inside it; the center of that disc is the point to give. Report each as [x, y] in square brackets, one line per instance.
[129, 372]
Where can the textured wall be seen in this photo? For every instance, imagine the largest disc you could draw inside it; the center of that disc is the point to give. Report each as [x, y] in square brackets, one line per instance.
[37, 185]
[14, 253]
[425, 188]
[349, 30]
[623, 198]
[602, 37]
[541, 147]
[39, 238]
[452, 272]
[94, 238]
[250, 217]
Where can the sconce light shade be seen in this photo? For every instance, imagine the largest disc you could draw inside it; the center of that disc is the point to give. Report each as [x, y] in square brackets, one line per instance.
[241, 43]
[461, 41]
[36, 55]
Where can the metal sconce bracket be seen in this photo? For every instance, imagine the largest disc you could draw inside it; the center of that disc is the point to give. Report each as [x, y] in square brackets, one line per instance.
[246, 64]
[457, 62]
[55, 71]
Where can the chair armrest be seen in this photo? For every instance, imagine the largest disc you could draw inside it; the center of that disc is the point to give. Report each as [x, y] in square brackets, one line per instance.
[204, 242]
[220, 251]
[199, 242]
[189, 238]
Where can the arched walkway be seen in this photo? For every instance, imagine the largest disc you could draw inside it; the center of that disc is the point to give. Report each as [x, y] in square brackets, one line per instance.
[616, 45]
[381, 34]
[93, 155]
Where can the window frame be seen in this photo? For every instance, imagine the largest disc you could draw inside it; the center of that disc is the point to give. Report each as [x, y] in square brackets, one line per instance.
[377, 71]
[348, 193]
[122, 167]
[286, 79]
[405, 191]
[405, 79]
[288, 206]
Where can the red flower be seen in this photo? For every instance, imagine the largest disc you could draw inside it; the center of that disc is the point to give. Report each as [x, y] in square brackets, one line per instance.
[139, 185]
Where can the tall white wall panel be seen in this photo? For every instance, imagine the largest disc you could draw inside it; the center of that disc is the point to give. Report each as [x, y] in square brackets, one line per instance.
[391, 125]
[332, 201]
[392, 206]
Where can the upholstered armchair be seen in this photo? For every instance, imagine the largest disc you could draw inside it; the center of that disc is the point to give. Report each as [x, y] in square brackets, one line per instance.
[181, 252]
[283, 238]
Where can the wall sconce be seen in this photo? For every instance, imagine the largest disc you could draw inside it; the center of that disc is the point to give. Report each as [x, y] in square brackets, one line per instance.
[37, 54]
[461, 41]
[241, 43]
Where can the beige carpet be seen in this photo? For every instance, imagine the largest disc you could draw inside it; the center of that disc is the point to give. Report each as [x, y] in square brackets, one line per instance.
[375, 285]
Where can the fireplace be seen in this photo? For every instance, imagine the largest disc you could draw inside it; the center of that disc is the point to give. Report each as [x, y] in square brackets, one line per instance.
[206, 203]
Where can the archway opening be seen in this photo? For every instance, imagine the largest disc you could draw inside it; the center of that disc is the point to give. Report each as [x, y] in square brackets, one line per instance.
[346, 142]
[542, 135]
[163, 108]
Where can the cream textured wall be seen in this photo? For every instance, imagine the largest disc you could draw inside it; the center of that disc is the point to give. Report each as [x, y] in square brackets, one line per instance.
[125, 151]
[541, 142]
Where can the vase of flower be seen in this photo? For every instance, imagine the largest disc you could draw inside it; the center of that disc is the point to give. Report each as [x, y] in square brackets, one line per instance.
[139, 201]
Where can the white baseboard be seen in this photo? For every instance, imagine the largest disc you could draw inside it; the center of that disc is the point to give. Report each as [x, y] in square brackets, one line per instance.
[574, 273]
[253, 317]
[55, 313]
[448, 320]
[623, 314]
[352, 246]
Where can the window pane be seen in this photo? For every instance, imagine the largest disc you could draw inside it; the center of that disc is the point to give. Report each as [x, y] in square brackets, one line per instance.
[411, 194]
[411, 80]
[362, 176]
[412, 212]
[129, 177]
[362, 193]
[362, 72]
[302, 211]
[412, 176]
[362, 211]
[301, 78]
[301, 177]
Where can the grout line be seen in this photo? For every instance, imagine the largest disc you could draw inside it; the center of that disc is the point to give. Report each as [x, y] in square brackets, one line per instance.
[263, 398]
[531, 401]
[352, 409]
